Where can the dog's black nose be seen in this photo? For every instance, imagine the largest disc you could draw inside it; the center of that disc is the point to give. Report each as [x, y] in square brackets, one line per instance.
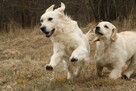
[97, 29]
[43, 29]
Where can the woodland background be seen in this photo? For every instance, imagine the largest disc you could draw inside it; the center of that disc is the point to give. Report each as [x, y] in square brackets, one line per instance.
[26, 13]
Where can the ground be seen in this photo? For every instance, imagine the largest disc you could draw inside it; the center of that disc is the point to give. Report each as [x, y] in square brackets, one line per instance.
[24, 53]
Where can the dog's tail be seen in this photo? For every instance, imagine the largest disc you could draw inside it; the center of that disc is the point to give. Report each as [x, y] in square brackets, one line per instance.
[90, 35]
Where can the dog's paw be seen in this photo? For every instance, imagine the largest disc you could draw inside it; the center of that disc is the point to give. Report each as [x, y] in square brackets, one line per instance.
[49, 68]
[74, 60]
[125, 77]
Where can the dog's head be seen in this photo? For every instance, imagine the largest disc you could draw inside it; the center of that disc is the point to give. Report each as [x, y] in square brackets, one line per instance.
[106, 30]
[50, 19]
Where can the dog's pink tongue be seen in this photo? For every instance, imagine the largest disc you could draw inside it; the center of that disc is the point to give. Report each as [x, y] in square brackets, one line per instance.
[48, 35]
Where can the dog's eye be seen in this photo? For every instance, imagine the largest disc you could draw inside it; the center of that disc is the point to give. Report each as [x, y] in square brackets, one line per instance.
[41, 20]
[106, 26]
[49, 19]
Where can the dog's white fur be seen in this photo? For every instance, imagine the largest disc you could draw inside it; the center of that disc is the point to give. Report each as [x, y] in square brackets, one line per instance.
[69, 42]
[114, 50]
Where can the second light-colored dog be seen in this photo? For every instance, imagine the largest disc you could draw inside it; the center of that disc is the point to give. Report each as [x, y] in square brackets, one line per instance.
[114, 50]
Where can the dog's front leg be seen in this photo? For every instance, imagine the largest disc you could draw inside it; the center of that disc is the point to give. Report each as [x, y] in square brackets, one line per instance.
[79, 54]
[117, 70]
[115, 73]
[55, 59]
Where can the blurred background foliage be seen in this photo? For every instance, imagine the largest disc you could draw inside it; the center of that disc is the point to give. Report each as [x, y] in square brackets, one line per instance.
[26, 13]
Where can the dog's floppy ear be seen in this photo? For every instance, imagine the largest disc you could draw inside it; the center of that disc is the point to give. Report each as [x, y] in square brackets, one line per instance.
[62, 8]
[113, 36]
[50, 8]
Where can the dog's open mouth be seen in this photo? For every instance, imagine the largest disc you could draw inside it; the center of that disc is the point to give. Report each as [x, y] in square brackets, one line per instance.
[48, 34]
[99, 33]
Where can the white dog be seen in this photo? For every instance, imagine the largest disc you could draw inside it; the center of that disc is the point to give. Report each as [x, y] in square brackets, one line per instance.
[114, 50]
[69, 42]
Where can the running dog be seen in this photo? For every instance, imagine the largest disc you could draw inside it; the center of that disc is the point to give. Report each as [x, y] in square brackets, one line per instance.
[70, 45]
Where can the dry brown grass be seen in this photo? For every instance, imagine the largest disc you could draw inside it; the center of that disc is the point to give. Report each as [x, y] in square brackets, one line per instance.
[23, 54]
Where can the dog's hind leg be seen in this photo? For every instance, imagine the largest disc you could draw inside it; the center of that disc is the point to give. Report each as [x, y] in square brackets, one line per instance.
[131, 68]
[69, 69]
[70, 72]
[78, 68]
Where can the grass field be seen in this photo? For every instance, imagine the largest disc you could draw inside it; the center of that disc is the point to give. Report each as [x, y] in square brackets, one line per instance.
[23, 54]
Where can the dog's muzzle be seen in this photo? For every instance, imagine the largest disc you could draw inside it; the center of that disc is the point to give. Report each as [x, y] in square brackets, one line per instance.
[97, 31]
[47, 33]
